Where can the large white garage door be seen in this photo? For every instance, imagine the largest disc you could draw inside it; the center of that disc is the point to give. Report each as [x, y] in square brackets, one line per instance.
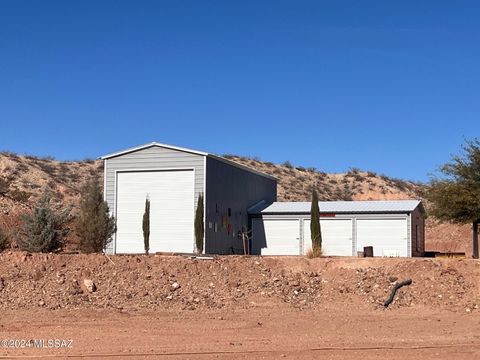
[171, 196]
[276, 237]
[336, 237]
[387, 236]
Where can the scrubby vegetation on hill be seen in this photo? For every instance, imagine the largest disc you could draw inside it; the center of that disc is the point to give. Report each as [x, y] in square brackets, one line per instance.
[296, 183]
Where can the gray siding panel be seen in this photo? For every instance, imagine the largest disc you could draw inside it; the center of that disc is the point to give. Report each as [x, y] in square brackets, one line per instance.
[230, 187]
[152, 158]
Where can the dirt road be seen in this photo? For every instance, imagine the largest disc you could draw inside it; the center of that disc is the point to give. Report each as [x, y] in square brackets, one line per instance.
[237, 308]
[260, 333]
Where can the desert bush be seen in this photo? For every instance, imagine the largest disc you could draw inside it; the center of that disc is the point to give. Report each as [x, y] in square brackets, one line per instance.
[8, 153]
[74, 177]
[63, 168]
[287, 164]
[400, 184]
[88, 161]
[31, 157]
[4, 240]
[19, 195]
[21, 168]
[39, 158]
[44, 229]
[312, 169]
[47, 167]
[301, 168]
[358, 177]
[4, 184]
[93, 172]
[94, 224]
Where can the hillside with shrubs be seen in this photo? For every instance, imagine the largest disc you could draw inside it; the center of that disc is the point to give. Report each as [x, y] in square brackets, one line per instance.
[297, 182]
[25, 178]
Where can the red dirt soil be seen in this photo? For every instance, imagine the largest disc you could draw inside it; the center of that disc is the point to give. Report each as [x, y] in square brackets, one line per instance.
[240, 307]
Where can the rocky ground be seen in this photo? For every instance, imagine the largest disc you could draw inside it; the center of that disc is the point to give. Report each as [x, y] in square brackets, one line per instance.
[238, 307]
[64, 281]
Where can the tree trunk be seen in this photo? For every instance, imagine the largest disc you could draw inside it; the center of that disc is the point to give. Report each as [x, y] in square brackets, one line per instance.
[475, 239]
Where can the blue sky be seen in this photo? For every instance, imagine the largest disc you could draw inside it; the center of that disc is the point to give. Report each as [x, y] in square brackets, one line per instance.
[388, 86]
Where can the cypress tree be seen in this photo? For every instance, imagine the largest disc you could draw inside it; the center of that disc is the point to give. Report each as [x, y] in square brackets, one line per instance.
[199, 226]
[315, 231]
[94, 225]
[146, 226]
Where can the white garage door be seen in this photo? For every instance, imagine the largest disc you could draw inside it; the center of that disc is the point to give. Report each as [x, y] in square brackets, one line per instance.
[171, 196]
[387, 236]
[336, 237]
[276, 237]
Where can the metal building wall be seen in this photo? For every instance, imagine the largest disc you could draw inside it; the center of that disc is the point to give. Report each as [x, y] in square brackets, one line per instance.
[230, 191]
[354, 218]
[152, 158]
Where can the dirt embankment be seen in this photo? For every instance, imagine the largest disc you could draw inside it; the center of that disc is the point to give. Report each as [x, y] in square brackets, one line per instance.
[36, 281]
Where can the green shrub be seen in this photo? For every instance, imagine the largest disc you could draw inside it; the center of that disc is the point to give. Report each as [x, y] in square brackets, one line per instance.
[94, 225]
[44, 229]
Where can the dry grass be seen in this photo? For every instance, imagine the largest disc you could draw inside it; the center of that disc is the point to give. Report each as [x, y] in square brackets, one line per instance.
[314, 252]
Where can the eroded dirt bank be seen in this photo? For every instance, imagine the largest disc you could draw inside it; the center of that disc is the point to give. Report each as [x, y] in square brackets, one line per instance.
[47, 281]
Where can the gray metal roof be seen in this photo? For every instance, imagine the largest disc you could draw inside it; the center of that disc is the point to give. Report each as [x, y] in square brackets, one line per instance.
[202, 153]
[145, 146]
[381, 206]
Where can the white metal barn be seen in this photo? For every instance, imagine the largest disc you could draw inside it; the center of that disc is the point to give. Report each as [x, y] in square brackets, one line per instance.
[392, 228]
[173, 179]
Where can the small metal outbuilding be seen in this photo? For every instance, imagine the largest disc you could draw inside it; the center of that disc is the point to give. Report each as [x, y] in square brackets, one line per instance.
[173, 179]
[393, 228]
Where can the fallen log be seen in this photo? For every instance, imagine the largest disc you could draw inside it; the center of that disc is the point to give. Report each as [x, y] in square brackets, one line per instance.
[394, 291]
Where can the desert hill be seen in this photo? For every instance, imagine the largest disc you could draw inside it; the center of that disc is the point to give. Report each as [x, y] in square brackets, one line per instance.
[23, 178]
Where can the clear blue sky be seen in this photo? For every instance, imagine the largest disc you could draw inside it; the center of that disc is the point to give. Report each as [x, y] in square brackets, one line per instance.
[388, 86]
